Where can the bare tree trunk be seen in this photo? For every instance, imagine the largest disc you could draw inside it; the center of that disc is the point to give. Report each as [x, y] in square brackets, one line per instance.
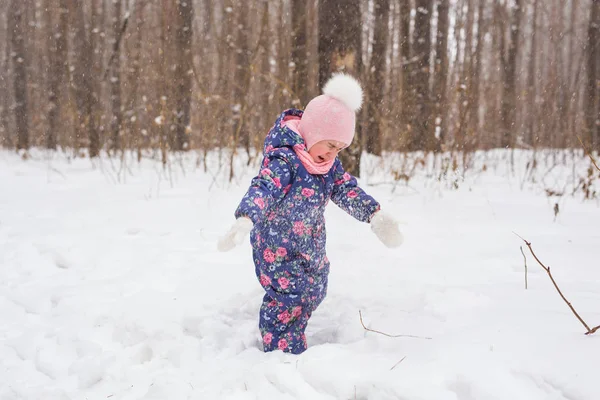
[242, 75]
[340, 50]
[377, 112]
[283, 49]
[165, 139]
[57, 56]
[462, 143]
[34, 60]
[407, 103]
[530, 137]
[266, 98]
[19, 23]
[5, 137]
[97, 41]
[183, 72]
[133, 103]
[241, 80]
[509, 97]
[115, 78]
[85, 96]
[441, 73]
[299, 54]
[312, 46]
[572, 65]
[395, 87]
[225, 77]
[593, 80]
[423, 138]
[477, 66]
[562, 81]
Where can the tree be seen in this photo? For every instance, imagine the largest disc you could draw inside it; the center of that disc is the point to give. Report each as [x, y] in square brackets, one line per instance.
[241, 79]
[531, 75]
[225, 82]
[441, 71]
[509, 96]
[423, 135]
[116, 121]
[339, 47]
[461, 141]
[5, 137]
[407, 103]
[86, 97]
[592, 112]
[299, 53]
[58, 57]
[183, 71]
[133, 103]
[573, 27]
[18, 24]
[165, 136]
[377, 112]
[477, 66]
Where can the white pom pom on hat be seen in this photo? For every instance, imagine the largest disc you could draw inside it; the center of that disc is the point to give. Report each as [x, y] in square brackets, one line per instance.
[332, 115]
[346, 89]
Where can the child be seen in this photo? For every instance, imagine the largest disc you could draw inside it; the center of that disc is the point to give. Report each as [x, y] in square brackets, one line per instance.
[283, 209]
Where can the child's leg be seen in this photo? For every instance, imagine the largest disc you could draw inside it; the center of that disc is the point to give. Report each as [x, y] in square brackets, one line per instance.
[284, 316]
[282, 325]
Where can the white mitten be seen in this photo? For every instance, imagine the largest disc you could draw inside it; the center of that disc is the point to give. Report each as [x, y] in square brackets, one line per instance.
[236, 234]
[386, 229]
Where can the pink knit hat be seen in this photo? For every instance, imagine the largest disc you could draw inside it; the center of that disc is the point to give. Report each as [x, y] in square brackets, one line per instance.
[331, 116]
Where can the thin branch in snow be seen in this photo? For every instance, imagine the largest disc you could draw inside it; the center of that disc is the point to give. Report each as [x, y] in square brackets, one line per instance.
[547, 269]
[395, 365]
[387, 334]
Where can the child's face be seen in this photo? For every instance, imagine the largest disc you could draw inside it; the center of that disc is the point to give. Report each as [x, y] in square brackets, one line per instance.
[326, 150]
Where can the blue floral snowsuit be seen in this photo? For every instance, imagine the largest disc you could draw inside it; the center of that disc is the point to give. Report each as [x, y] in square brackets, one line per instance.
[286, 204]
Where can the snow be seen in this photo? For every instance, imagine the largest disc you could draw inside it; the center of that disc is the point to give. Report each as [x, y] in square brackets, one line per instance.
[111, 288]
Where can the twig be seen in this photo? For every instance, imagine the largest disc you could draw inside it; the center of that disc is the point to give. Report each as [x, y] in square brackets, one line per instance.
[547, 269]
[588, 154]
[387, 334]
[395, 365]
[524, 260]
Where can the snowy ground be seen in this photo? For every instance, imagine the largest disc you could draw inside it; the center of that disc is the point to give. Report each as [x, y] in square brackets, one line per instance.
[111, 288]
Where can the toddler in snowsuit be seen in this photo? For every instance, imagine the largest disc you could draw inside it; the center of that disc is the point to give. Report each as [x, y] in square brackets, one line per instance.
[283, 210]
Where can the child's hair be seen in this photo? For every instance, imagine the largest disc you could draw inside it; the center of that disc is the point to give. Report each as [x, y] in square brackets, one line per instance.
[331, 116]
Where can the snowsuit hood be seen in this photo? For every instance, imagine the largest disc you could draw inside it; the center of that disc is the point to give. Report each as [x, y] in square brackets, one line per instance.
[282, 137]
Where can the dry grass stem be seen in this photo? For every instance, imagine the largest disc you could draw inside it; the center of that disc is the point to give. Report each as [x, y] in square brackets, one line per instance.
[589, 154]
[525, 261]
[398, 363]
[387, 334]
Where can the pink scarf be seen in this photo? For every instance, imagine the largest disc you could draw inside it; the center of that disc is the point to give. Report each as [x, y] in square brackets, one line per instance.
[311, 166]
